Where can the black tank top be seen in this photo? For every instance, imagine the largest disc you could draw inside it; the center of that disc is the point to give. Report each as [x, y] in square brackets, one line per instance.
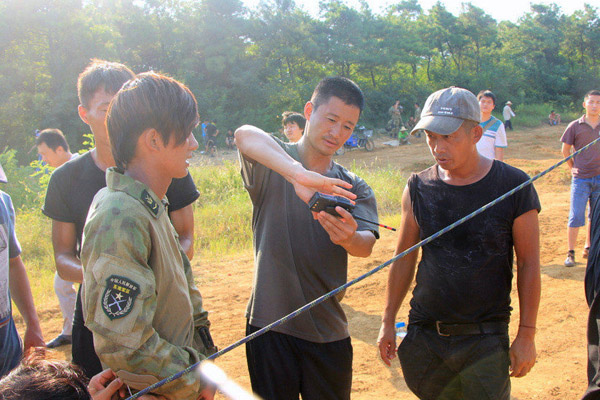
[465, 275]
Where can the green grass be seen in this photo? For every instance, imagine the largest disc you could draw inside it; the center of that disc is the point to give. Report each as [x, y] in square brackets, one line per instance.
[34, 233]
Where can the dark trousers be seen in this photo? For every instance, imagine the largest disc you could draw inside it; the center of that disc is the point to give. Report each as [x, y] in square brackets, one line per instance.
[508, 124]
[82, 348]
[593, 339]
[469, 367]
[282, 367]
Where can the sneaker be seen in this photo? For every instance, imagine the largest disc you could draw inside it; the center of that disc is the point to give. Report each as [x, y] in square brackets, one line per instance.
[570, 261]
[585, 253]
[58, 341]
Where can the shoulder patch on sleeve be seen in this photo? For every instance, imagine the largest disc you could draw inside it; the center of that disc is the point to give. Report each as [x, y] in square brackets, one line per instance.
[119, 296]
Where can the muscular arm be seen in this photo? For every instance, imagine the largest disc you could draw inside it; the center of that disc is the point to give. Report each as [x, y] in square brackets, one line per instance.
[527, 249]
[566, 152]
[183, 222]
[257, 145]
[21, 295]
[499, 153]
[64, 242]
[399, 279]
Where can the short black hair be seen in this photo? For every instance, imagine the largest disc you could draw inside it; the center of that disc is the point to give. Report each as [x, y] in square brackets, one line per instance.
[293, 117]
[340, 87]
[592, 93]
[154, 101]
[100, 74]
[487, 93]
[53, 138]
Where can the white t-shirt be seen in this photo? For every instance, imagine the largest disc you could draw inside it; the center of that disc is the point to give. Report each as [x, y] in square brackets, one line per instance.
[507, 112]
[494, 136]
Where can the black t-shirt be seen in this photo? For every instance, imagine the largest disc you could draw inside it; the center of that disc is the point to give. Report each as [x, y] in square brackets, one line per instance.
[71, 189]
[73, 186]
[465, 275]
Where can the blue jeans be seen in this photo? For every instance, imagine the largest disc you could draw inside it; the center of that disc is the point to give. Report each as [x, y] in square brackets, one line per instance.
[10, 347]
[583, 190]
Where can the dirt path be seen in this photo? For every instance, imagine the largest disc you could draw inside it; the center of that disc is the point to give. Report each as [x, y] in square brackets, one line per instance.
[560, 371]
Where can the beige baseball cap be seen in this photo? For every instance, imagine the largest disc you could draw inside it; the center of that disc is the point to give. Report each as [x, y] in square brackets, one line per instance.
[446, 110]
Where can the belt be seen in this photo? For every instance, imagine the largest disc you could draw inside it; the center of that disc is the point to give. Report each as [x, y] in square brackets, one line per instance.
[481, 328]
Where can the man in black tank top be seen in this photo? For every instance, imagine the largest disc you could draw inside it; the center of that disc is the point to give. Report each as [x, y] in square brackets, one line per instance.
[457, 345]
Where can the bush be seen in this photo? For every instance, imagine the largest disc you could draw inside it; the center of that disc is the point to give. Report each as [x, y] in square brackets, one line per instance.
[26, 184]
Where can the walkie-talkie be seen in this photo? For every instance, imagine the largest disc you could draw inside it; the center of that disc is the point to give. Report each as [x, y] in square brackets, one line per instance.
[328, 203]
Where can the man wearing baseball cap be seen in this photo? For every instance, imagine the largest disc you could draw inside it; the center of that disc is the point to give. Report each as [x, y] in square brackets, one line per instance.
[457, 346]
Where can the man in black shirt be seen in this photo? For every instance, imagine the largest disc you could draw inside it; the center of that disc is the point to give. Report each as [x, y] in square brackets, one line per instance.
[73, 186]
[457, 345]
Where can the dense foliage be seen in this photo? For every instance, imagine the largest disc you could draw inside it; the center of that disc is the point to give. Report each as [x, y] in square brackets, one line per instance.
[247, 66]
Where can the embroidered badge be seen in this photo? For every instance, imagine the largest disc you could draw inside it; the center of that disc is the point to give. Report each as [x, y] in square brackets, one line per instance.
[119, 296]
[149, 202]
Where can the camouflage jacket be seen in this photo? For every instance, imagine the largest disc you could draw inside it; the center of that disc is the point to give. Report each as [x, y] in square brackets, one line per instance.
[139, 297]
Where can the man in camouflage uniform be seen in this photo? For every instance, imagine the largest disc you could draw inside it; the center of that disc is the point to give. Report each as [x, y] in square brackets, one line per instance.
[395, 112]
[139, 297]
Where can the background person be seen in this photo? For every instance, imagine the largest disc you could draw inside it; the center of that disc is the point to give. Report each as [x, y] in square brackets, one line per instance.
[211, 144]
[53, 147]
[293, 125]
[553, 118]
[54, 150]
[585, 170]
[395, 112]
[507, 114]
[493, 141]
[230, 139]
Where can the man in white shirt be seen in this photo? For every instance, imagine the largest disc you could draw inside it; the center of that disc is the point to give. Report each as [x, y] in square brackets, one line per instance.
[493, 141]
[508, 113]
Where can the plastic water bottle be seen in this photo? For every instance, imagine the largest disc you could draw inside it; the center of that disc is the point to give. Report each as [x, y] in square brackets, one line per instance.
[400, 330]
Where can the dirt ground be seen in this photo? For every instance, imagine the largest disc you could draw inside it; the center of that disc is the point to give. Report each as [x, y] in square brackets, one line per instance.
[560, 370]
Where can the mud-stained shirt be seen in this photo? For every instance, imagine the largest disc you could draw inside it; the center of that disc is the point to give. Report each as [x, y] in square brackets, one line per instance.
[138, 296]
[465, 275]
